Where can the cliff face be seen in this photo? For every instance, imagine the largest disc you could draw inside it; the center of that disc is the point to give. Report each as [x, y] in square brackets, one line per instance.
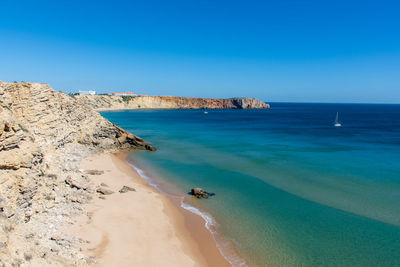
[43, 136]
[105, 102]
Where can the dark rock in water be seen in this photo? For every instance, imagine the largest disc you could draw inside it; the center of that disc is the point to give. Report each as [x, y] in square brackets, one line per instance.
[104, 191]
[125, 189]
[151, 148]
[200, 193]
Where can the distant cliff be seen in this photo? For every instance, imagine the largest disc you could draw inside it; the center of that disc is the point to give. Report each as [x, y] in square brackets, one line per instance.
[105, 102]
[44, 135]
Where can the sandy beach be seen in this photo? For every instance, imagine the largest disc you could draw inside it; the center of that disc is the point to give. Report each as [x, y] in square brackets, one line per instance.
[142, 227]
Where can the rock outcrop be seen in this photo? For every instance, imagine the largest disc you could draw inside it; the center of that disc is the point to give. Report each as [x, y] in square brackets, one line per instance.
[106, 102]
[126, 189]
[200, 193]
[44, 135]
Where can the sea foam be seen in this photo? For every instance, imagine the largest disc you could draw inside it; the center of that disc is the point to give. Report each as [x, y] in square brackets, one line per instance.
[210, 222]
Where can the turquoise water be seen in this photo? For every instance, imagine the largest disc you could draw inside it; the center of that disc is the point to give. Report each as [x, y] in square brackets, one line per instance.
[291, 190]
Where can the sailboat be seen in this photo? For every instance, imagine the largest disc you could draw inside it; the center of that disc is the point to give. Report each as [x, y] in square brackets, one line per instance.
[337, 123]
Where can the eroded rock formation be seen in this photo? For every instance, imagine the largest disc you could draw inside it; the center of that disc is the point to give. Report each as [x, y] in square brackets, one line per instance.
[105, 102]
[43, 136]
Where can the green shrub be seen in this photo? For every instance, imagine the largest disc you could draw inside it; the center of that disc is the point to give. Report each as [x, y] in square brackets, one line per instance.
[127, 98]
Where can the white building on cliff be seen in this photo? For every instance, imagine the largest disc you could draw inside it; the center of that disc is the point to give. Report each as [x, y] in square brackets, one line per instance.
[87, 92]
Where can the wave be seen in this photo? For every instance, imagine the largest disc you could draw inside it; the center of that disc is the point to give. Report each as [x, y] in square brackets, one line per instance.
[210, 223]
[144, 176]
[221, 244]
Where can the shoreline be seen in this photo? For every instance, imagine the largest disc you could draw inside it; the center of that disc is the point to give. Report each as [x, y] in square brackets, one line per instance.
[136, 109]
[142, 228]
[200, 224]
[195, 219]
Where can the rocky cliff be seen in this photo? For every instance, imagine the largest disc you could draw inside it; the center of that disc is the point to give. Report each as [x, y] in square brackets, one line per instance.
[105, 102]
[43, 136]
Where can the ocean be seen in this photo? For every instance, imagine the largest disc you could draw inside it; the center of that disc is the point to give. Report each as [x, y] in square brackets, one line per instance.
[290, 189]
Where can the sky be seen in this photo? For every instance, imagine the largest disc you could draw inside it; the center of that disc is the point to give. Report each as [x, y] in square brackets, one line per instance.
[289, 51]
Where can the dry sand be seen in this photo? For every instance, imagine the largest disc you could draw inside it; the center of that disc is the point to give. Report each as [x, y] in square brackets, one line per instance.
[141, 228]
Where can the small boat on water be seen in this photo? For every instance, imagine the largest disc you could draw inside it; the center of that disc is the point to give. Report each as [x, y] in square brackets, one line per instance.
[205, 112]
[337, 123]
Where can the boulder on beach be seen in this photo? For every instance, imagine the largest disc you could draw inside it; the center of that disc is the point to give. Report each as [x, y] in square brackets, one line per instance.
[125, 189]
[94, 172]
[104, 191]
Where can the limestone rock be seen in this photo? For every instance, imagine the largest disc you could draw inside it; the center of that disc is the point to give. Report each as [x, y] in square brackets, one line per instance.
[75, 183]
[125, 189]
[94, 172]
[104, 191]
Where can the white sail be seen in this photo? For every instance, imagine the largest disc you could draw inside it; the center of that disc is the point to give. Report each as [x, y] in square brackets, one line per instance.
[337, 123]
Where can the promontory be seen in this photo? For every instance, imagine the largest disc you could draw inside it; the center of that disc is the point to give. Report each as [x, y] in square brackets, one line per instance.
[107, 102]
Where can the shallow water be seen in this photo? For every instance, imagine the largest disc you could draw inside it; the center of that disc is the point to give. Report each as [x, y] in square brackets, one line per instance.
[291, 189]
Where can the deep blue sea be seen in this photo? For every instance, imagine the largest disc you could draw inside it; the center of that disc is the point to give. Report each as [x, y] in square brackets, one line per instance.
[291, 189]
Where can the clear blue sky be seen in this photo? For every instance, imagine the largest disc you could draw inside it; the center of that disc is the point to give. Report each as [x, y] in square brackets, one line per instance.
[317, 51]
